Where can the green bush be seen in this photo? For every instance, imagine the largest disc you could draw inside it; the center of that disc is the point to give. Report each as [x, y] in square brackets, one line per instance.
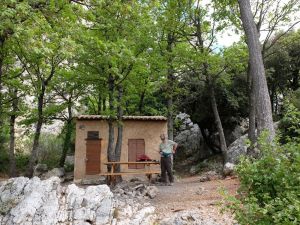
[269, 190]
[289, 125]
[50, 150]
[22, 161]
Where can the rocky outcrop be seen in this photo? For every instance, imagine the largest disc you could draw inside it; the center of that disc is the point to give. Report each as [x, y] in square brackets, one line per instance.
[239, 146]
[46, 202]
[32, 201]
[239, 130]
[191, 145]
[237, 149]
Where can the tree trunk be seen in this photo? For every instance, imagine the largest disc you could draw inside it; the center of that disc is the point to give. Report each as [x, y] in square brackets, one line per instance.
[170, 118]
[110, 150]
[67, 140]
[257, 71]
[104, 104]
[141, 103]
[118, 148]
[170, 87]
[12, 159]
[252, 120]
[99, 103]
[1, 101]
[218, 122]
[295, 79]
[39, 124]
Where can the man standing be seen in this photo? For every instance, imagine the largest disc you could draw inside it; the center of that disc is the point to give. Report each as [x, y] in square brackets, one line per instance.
[166, 149]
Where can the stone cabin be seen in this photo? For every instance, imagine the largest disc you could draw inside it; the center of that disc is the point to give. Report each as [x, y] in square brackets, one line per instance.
[141, 135]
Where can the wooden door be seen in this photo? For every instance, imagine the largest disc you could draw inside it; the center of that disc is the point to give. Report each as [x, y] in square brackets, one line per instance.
[136, 148]
[93, 154]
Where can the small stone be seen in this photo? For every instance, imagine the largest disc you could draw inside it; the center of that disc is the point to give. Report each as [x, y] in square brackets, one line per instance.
[228, 169]
[39, 169]
[152, 191]
[204, 178]
[201, 191]
[56, 172]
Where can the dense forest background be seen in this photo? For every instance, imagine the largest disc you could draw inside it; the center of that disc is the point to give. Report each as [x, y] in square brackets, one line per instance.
[62, 58]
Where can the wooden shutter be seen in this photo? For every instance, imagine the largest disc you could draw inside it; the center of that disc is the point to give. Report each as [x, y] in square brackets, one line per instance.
[140, 150]
[136, 148]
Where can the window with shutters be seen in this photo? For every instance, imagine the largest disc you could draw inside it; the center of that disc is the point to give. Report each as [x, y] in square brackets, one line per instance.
[136, 148]
[93, 135]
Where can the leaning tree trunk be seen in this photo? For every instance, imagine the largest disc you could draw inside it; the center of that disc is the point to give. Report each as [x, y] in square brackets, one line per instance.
[262, 104]
[1, 101]
[67, 141]
[118, 148]
[39, 124]
[12, 159]
[218, 122]
[252, 120]
[170, 88]
[110, 148]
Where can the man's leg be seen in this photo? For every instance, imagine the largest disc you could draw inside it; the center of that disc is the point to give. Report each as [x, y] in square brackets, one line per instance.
[169, 169]
[163, 169]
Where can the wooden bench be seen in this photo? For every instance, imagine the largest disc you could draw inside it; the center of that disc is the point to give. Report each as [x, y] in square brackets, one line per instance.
[111, 176]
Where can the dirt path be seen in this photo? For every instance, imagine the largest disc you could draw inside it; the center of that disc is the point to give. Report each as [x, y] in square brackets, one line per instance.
[189, 193]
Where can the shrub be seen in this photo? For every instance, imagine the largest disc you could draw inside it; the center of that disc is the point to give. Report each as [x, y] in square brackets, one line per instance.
[50, 150]
[290, 124]
[269, 190]
[22, 161]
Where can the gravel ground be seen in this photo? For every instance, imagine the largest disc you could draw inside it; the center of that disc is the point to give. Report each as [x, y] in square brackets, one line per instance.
[188, 194]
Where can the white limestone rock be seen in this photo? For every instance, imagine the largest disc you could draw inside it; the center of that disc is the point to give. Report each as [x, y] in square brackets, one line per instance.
[56, 172]
[151, 191]
[237, 149]
[38, 202]
[228, 169]
[40, 169]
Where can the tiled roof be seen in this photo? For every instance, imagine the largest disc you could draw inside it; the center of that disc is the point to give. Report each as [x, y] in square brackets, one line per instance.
[102, 117]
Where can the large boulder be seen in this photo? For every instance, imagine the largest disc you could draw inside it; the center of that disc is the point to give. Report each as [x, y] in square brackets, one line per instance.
[237, 149]
[190, 140]
[35, 201]
[239, 130]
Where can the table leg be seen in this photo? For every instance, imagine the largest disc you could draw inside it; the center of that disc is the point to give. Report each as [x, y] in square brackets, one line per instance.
[113, 168]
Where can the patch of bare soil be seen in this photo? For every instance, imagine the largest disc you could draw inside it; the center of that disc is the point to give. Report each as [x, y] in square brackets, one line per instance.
[190, 194]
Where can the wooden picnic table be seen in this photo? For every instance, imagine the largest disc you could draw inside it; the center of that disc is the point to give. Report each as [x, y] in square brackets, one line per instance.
[147, 171]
